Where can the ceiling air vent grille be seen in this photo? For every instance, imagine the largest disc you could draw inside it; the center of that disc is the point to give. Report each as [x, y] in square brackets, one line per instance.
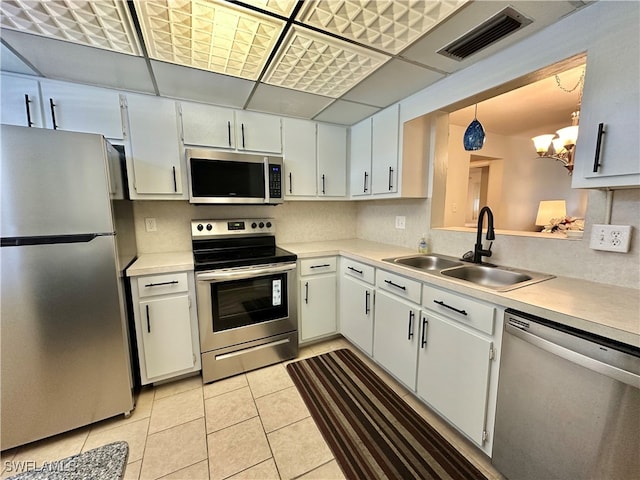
[497, 27]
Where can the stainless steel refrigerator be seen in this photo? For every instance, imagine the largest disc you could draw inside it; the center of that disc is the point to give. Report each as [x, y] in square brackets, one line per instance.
[65, 359]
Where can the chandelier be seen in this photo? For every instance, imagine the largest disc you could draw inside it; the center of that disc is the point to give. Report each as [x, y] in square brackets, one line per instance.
[561, 145]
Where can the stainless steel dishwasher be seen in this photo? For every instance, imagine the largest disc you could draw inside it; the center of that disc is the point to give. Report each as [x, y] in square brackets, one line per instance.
[568, 404]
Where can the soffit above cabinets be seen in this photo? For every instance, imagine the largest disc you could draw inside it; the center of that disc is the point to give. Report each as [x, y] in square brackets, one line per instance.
[342, 59]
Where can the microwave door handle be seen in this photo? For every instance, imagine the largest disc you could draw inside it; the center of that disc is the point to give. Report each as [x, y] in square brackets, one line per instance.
[239, 274]
[267, 193]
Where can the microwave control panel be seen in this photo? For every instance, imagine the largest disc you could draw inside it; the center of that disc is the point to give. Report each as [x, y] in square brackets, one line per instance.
[275, 181]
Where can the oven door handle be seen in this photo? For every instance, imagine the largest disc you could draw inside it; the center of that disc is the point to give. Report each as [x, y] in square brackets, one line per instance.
[224, 275]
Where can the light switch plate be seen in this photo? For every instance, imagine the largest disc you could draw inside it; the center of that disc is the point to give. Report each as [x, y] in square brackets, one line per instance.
[400, 222]
[611, 238]
[150, 224]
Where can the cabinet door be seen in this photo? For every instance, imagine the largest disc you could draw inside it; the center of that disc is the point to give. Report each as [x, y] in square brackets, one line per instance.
[356, 313]
[258, 132]
[332, 160]
[317, 306]
[80, 108]
[395, 337]
[384, 152]
[453, 373]
[207, 126]
[611, 96]
[155, 149]
[299, 147]
[20, 102]
[360, 149]
[166, 335]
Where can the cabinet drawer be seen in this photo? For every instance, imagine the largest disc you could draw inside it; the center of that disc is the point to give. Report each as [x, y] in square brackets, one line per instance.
[162, 284]
[314, 266]
[465, 310]
[399, 285]
[359, 270]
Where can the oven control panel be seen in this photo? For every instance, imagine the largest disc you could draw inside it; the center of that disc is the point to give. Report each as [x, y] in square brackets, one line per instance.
[235, 226]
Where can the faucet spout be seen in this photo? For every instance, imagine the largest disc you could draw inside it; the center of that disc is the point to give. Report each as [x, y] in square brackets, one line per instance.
[478, 251]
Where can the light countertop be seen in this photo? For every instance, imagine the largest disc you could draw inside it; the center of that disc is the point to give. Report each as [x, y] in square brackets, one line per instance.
[154, 263]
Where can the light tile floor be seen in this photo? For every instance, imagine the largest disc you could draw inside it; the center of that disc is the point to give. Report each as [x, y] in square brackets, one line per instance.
[251, 426]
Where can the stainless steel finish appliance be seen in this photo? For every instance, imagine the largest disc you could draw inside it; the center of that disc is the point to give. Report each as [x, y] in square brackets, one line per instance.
[65, 355]
[568, 403]
[246, 295]
[232, 178]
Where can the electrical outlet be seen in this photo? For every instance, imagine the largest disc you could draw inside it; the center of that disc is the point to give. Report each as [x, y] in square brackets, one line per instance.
[150, 224]
[400, 222]
[611, 238]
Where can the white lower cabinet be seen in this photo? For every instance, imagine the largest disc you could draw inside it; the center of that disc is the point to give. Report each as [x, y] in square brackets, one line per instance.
[317, 298]
[356, 304]
[166, 325]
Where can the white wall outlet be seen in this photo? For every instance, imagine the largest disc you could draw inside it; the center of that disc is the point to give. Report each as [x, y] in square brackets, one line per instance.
[400, 222]
[150, 224]
[611, 238]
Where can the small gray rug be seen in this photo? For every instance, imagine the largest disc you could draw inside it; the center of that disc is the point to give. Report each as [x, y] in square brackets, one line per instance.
[103, 463]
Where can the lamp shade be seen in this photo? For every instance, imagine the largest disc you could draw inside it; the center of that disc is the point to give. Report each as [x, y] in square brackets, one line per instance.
[549, 209]
[542, 143]
[568, 135]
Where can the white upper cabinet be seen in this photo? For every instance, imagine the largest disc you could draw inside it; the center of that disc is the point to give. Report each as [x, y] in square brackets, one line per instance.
[207, 126]
[299, 148]
[21, 101]
[360, 149]
[258, 132]
[611, 97]
[80, 108]
[384, 151]
[156, 153]
[332, 160]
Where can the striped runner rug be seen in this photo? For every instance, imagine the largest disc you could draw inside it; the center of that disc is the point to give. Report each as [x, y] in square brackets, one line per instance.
[373, 433]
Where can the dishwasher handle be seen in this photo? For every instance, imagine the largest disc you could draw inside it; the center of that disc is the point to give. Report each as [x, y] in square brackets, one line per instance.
[611, 371]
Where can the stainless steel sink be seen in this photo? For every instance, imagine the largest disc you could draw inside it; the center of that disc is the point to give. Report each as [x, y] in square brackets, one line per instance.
[425, 262]
[490, 277]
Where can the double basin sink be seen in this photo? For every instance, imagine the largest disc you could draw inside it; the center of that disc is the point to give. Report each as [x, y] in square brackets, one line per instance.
[490, 276]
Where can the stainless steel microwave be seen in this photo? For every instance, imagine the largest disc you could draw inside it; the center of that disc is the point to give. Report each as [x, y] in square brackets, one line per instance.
[233, 178]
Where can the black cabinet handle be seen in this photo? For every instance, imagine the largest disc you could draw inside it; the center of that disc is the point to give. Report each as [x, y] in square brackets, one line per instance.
[367, 296]
[390, 178]
[365, 181]
[439, 302]
[290, 183]
[323, 192]
[242, 128]
[172, 282]
[28, 108]
[229, 131]
[402, 287]
[306, 293]
[320, 266]
[596, 161]
[423, 342]
[53, 113]
[356, 270]
[175, 181]
[148, 320]
[411, 317]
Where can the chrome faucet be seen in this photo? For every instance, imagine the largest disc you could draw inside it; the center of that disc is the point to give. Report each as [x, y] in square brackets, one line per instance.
[478, 251]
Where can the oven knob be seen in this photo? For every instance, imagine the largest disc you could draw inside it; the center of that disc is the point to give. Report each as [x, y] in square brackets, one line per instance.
[268, 224]
[209, 226]
[261, 224]
[254, 225]
[199, 227]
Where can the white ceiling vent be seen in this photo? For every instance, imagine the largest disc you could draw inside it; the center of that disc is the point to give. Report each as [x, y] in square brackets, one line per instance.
[495, 28]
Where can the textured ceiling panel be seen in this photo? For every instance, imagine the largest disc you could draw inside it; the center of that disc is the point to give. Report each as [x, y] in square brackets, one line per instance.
[103, 24]
[388, 25]
[321, 65]
[279, 7]
[208, 35]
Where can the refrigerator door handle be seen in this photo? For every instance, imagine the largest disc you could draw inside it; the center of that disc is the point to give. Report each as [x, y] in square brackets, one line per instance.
[50, 239]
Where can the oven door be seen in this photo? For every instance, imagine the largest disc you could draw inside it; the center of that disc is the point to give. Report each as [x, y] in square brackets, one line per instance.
[244, 304]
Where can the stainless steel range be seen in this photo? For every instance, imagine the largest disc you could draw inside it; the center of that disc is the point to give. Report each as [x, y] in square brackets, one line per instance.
[246, 295]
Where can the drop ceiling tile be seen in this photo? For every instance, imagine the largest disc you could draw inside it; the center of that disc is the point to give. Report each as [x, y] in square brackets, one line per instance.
[345, 113]
[237, 41]
[392, 82]
[279, 7]
[319, 64]
[78, 63]
[104, 24]
[283, 101]
[200, 86]
[388, 25]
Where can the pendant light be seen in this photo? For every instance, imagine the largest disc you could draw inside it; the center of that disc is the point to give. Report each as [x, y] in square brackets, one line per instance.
[474, 134]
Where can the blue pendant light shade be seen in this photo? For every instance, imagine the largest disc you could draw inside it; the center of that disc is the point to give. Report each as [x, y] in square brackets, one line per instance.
[474, 134]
